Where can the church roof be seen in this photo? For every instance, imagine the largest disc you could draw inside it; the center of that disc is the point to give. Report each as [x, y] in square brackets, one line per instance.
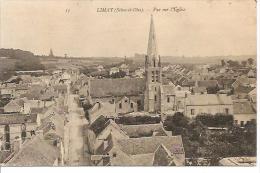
[116, 87]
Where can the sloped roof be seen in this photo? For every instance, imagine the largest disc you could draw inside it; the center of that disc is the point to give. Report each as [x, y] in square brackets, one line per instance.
[188, 83]
[38, 110]
[18, 102]
[243, 107]
[17, 119]
[102, 108]
[116, 87]
[168, 89]
[199, 89]
[36, 152]
[143, 130]
[208, 83]
[146, 145]
[143, 159]
[58, 121]
[162, 156]
[99, 125]
[209, 99]
[121, 159]
[3, 155]
[253, 92]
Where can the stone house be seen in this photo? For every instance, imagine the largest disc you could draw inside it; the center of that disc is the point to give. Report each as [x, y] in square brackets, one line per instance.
[208, 103]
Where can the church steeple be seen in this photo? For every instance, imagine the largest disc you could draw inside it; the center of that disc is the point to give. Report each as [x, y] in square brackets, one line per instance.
[152, 45]
[153, 74]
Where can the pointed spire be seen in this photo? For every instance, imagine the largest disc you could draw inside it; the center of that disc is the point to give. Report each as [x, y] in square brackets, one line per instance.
[152, 47]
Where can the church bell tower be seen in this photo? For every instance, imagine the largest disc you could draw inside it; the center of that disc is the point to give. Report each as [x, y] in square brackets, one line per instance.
[153, 74]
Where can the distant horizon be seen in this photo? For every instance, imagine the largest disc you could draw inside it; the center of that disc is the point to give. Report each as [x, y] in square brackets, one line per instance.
[133, 56]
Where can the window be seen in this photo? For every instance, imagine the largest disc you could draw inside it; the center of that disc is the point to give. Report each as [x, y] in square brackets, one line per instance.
[227, 111]
[125, 101]
[120, 105]
[139, 105]
[132, 105]
[157, 78]
[114, 154]
[154, 88]
[168, 99]
[155, 98]
[242, 123]
[236, 122]
[192, 111]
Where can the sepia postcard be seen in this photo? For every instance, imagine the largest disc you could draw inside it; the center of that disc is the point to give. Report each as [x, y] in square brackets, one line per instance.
[128, 83]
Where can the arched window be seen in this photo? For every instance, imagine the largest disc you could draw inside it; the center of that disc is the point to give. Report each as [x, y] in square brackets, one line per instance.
[120, 105]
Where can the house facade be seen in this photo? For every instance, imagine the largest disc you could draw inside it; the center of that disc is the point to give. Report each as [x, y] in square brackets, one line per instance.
[209, 104]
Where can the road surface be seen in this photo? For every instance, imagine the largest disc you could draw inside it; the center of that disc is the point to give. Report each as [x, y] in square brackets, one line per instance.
[77, 120]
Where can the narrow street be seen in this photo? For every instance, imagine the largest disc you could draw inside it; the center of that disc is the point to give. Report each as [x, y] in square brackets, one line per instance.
[76, 122]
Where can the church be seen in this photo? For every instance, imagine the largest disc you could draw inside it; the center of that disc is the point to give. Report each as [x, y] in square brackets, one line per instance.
[150, 94]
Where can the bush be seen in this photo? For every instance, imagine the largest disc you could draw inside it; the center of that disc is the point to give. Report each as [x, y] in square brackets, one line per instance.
[218, 120]
[138, 120]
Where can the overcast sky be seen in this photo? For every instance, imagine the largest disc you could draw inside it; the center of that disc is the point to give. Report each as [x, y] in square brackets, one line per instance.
[205, 28]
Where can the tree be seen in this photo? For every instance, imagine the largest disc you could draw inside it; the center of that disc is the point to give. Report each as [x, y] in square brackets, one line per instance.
[223, 63]
[232, 63]
[244, 63]
[250, 61]
[176, 123]
[119, 74]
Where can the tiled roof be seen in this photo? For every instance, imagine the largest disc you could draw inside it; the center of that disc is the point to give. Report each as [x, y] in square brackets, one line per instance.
[38, 110]
[199, 89]
[162, 156]
[3, 155]
[143, 159]
[36, 152]
[17, 119]
[143, 130]
[116, 87]
[208, 83]
[243, 107]
[99, 125]
[102, 108]
[146, 145]
[208, 99]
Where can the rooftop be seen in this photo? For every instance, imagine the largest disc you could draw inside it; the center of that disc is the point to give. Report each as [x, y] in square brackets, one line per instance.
[116, 87]
[209, 99]
[6, 119]
[29, 155]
